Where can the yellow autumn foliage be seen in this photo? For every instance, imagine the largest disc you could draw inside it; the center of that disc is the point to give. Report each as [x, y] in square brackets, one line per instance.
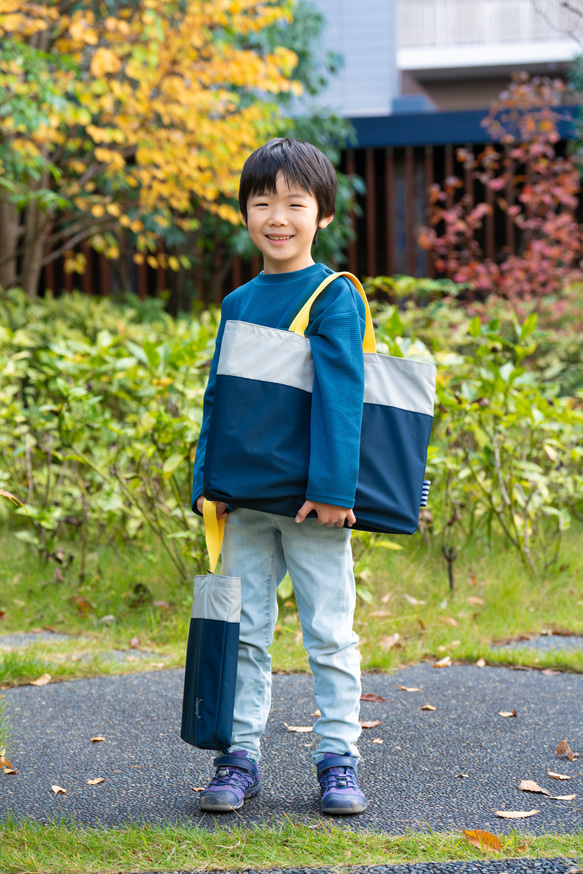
[167, 100]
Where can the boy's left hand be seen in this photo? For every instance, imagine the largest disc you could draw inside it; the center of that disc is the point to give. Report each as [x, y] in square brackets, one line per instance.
[327, 514]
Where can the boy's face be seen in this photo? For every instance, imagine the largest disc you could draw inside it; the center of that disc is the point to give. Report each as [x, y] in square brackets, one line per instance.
[282, 226]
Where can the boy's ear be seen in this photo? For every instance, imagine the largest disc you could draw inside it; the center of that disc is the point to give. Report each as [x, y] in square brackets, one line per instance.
[324, 222]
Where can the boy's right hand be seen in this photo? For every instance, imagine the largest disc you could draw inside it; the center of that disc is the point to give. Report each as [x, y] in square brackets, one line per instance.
[327, 514]
[221, 507]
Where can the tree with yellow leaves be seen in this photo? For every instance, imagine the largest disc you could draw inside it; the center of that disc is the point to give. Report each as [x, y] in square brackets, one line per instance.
[126, 116]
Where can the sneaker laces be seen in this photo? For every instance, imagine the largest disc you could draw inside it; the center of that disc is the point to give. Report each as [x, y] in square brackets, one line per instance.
[339, 778]
[230, 776]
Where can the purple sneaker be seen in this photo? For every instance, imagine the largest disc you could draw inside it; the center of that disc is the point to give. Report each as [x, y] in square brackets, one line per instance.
[236, 779]
[341, 793]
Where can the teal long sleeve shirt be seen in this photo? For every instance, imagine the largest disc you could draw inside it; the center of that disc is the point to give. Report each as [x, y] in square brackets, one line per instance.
[336, 330]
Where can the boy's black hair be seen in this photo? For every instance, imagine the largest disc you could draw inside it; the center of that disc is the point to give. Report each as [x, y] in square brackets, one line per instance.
[300, 163]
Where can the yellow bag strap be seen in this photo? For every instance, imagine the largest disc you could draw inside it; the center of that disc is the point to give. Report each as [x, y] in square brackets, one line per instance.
[300, 323]
[214, 531]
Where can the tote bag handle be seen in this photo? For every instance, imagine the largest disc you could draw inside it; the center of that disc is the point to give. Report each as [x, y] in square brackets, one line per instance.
[300, 323]
[214, 530]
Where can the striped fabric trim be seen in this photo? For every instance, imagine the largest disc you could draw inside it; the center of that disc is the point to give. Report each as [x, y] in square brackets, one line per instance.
[217, 597]
[272, 355]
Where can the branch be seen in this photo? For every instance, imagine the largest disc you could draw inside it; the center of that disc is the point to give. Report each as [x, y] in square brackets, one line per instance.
[570, 8]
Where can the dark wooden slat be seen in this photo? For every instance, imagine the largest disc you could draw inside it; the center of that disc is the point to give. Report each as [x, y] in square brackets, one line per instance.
[449, 171]
[142, 281]
[161, 273]
[237, 273]
[352, 250]
[67, 278]
[104, 276]
[370, 212]
[86, 279]
[510, 228]
[390, 210]
[50, 277]
[490, 223]
[429, 177]
[409, 209]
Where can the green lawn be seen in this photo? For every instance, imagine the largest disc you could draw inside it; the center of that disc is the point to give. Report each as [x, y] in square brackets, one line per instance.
[139, 597]
[63, 849]
[408, 595]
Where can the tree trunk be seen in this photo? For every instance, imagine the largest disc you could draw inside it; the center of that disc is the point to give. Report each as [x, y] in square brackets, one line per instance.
[35, 224]
[9, 235]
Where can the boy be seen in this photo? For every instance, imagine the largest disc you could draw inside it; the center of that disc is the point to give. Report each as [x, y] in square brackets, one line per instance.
[287, 194]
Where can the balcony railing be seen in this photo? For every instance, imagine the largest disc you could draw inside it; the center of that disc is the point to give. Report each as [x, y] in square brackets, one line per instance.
[466, 22]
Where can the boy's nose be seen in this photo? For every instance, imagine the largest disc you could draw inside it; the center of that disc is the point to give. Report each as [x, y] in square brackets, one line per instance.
[278, 218]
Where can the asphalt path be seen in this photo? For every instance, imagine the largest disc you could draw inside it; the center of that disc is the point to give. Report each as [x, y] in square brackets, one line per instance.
[442, 770]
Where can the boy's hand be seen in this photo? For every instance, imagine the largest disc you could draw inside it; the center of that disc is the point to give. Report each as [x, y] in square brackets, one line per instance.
[221, 507]
[327, 514]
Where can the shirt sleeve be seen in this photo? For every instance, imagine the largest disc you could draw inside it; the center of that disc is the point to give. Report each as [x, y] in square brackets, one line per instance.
[336, 336]
[198, 471]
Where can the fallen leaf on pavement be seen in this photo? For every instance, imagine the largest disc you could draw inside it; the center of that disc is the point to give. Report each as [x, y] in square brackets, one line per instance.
[462, 775]
[507, 713]
[42, 681]
[563, 749]
[549, 672]
[556, 776]
[97, 739]
[58, 790]
[370, 724]
[298, 728]
[316, 713]
[409, 688]
[445, 662]
[531, 786]
[428, 707]
[481, 663]
[483, 840]
[96, 782]
[516, 814]
[197, 788]
[4, 763]
[10, 771]
[390, 640]
[370, 696]
[378, 740]
[157, 664]
[475, 601]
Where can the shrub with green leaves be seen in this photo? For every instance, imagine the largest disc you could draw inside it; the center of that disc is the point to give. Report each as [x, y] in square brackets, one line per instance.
[101, 408]
[506, 449]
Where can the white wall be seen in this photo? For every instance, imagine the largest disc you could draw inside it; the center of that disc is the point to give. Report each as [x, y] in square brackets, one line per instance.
[363, 31]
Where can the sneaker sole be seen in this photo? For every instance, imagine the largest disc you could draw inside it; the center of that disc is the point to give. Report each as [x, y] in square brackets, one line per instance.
[344, 811]
[222, 807]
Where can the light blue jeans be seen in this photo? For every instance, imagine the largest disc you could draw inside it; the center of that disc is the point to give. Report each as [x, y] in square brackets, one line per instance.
[259, 548]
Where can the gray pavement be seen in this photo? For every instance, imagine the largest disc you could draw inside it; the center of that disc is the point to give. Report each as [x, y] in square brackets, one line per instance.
[442, 770]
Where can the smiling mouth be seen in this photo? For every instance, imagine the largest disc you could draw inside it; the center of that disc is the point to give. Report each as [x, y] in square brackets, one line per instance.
[279, 238]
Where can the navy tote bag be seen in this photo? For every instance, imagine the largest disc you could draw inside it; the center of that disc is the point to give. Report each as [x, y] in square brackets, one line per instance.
[257, 452]
[211, 656]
